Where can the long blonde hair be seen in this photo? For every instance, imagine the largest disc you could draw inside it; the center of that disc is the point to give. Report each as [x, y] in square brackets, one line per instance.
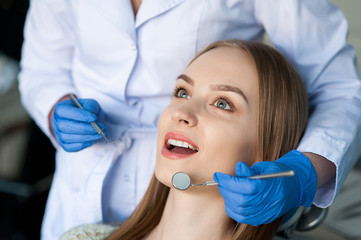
[282, 118]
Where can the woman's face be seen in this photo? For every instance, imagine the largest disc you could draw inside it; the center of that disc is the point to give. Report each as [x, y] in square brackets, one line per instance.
[210, 123]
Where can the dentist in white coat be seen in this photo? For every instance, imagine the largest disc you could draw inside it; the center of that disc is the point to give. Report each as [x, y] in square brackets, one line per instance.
[121, 59]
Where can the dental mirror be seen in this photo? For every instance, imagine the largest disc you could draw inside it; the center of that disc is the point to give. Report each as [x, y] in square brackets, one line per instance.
[181, 181]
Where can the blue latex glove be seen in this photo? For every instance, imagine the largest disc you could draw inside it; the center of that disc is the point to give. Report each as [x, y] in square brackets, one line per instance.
[72, 127]
[262, 201]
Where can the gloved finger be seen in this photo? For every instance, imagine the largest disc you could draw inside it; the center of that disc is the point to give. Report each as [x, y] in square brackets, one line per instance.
[241, 200]
[256, 207]
[236, 216]
[269, 167]
[90, 105]
[261, 217]
[268, 209]
[242, 170]
[76, 127]
[232, 198]
[73, 138]
[237, 184]
[236, 199]
[75, 147]
[71, 112]
[254, 218]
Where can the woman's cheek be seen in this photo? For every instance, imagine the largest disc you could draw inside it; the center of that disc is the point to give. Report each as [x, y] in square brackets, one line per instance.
[163, 175]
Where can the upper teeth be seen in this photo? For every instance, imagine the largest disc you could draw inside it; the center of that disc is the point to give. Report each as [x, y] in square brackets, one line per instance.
[181, 144]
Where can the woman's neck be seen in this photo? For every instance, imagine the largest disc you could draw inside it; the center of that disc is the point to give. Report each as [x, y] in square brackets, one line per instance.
[193, 215]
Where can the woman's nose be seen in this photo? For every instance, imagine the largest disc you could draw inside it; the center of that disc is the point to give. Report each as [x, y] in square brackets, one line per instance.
[184, 114]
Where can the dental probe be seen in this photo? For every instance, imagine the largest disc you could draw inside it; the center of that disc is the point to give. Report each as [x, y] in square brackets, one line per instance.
[93, 124]
[261, 176]
[182, 181]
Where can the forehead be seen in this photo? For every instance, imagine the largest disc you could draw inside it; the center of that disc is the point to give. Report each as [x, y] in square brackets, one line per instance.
[225, 65]
[224, 61]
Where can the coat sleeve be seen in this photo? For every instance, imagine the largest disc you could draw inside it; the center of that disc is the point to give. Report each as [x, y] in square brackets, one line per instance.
[312, 35]
[46, 62]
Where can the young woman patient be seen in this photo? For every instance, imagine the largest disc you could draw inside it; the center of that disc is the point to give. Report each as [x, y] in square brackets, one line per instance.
[236, 103]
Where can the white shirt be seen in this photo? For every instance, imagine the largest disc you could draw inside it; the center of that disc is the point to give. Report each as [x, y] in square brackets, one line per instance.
[97, 49]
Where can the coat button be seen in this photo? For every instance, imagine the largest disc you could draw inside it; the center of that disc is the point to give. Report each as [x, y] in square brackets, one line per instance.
[133, 47]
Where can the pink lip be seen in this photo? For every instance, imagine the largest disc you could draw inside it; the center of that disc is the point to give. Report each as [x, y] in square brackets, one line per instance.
[179, 137]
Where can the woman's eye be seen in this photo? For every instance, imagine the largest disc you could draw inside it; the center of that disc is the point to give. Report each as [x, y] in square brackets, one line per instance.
[181, 93]
[222, 104]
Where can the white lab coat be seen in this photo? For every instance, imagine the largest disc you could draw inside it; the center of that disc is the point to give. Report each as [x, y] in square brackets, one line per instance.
[96, 49]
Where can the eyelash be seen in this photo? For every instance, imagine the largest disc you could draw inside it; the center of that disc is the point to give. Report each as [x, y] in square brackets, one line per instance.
[224, 98]
[176, 91]
[227, 100]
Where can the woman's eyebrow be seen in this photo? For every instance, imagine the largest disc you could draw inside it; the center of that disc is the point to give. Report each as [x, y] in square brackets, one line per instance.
[216, 87]
[228, 88]
[187, 79]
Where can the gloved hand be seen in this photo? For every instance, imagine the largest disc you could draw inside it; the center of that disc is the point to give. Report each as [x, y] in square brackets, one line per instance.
[262, 201]
[71, 124]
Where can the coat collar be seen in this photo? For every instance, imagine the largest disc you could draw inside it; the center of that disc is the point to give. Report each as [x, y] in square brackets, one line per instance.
[120, 13]
[152, 8]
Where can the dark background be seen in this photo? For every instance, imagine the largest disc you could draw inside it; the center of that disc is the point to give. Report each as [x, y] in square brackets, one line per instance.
[22, 208]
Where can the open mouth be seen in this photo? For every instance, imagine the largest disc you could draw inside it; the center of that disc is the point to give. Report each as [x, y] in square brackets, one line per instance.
[180, 147]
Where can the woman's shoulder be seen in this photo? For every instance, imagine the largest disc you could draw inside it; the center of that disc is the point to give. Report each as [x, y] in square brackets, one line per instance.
[89, 232]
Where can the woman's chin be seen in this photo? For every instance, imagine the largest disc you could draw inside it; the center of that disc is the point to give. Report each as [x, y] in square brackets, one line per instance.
[164, 178]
